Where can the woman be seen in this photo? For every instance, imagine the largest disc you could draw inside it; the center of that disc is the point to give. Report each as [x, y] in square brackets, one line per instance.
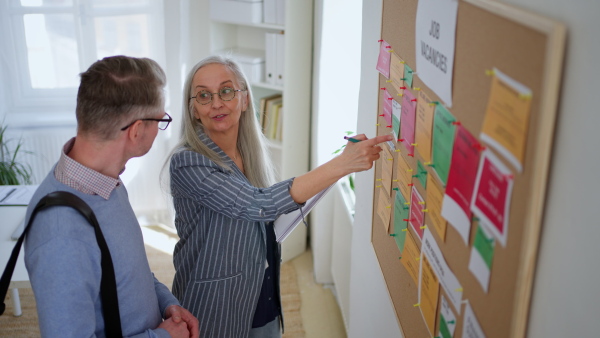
[227, 259]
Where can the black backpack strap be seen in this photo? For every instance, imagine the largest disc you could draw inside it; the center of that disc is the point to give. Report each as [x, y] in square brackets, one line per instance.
[108, 286]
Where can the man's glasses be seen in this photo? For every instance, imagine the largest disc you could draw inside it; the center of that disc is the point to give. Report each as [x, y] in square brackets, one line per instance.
[162, 123]
[225, 93]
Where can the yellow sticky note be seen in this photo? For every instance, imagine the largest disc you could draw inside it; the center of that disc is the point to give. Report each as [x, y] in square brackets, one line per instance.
[424, 125]
[507, 118]
[404, 177]
[409, 257]
[397, 72]
[387, 165]
[383, 211]
[429, 291]
[435, 196]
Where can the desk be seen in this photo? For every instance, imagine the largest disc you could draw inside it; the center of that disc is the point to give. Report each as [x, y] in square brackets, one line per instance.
[11, 217]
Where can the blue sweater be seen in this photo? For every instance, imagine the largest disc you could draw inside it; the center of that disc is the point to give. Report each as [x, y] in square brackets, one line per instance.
[63, 261]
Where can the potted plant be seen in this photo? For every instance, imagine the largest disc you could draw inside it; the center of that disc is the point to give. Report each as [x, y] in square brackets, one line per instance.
[11, 171]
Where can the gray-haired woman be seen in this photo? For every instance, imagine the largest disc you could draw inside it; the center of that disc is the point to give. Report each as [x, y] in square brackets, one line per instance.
[226, 199]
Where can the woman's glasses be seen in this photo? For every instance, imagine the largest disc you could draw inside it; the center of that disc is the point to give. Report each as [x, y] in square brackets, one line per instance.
[225, 93]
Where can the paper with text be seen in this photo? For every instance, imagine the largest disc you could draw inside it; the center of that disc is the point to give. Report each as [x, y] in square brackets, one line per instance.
[411, 257]
[492, 195]
[471, 327]
[429, 291]
[435, 194]
[435, 34]
[400, 217]
[482, 255]
[456, 207]
[507, 118]
[447, 278]
[425, 113]
[443, 141]
[397, 73]
[447, 320]
[417, 216]
[383, 61]
[407, 121]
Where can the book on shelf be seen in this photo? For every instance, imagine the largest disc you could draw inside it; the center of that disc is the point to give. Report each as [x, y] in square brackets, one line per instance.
[262, 110]
[277, 118]
[270, 116]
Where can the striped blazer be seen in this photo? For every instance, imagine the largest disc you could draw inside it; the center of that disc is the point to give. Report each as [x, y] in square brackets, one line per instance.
[221, 254]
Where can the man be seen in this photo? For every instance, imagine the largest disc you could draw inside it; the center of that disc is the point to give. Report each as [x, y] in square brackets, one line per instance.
[120, 107]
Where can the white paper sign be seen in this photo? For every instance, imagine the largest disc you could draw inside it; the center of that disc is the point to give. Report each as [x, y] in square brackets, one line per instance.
[435, 36]
[449, 320]
[471, 327]
[447, 278]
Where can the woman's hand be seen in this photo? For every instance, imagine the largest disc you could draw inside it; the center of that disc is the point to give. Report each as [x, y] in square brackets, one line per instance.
[359, 156]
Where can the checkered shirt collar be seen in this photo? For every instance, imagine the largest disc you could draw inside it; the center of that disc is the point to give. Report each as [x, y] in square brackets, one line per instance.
[81, 178]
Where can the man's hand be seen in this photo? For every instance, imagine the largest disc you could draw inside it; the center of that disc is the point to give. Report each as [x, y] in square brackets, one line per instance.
[176, 330]
[178, 314]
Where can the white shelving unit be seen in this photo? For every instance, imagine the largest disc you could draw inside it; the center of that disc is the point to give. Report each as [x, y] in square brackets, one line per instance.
[291, 155]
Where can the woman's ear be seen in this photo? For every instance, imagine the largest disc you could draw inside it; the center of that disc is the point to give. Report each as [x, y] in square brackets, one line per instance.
[245, 100]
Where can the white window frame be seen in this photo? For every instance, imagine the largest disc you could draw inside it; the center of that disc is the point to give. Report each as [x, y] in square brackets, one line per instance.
[26, 106]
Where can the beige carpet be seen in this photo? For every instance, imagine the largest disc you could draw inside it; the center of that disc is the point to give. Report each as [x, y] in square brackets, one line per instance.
[26, 326]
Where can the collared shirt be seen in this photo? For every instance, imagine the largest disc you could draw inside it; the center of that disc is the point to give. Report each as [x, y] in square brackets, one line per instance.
[79, 177]
[267, 308]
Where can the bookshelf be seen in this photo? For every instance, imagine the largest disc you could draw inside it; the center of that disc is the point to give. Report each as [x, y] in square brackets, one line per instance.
[290, 154]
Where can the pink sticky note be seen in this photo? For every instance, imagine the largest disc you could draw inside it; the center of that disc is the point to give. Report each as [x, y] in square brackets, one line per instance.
[492, 194]
[383, 62]
[407, 120]
[417, 216]
[456, 207]
[387, 107]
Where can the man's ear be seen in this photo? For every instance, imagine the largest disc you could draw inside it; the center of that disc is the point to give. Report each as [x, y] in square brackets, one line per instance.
[134, 131]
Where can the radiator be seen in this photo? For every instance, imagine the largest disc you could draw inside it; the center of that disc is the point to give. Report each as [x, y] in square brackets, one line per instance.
[343, 220]
[43, 146]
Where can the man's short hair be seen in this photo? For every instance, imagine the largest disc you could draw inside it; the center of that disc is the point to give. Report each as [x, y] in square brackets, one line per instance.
[116, 91]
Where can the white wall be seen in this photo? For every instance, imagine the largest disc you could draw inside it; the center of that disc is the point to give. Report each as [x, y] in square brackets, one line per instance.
[334, 105]
[566, 300]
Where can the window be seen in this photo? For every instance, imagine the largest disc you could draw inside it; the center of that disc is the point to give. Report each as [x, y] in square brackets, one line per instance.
[46, 43]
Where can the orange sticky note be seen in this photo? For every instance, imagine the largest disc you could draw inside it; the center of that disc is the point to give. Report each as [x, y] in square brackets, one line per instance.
[429, 290]
[507, 118]
[404, 177]
[383, 209]
[409, 257]
[435, 196]
[424, 126]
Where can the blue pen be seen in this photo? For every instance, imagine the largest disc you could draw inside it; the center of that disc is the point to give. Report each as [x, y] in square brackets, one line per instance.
[353, 140]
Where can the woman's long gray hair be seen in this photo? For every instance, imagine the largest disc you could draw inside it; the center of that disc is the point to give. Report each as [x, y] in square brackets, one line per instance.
[251, 143]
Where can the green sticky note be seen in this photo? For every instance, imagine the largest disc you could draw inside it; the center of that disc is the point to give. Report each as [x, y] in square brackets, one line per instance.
[443, 141]
[408, 75]
[400, 214]
[396, 126]
[484, 244]
[422, 175]
[444, 330]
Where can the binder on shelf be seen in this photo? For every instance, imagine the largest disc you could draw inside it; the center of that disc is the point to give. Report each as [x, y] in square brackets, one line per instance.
[246, 11]
[285, 224]
[280, 59]
[270, 57]
[280, 12]
[270, 11]
[252, 61]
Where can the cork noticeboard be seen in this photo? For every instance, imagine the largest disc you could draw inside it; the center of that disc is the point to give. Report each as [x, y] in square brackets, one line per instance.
[530, 49]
